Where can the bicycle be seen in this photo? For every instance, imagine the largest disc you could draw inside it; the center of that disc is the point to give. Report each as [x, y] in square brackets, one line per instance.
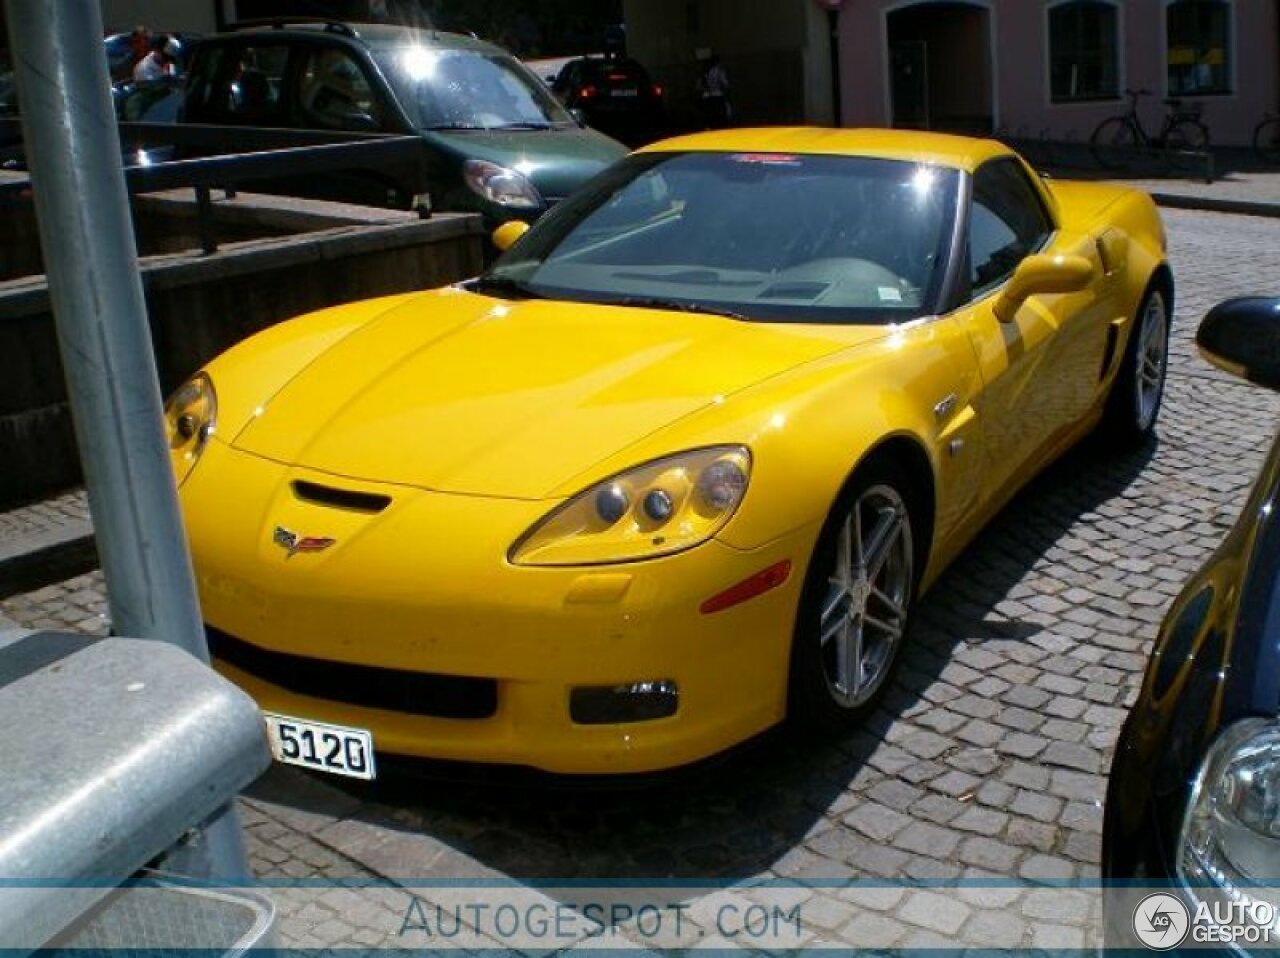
[1120, 140]
[1266, 139]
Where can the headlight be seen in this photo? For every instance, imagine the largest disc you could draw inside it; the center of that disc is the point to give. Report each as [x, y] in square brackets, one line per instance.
[664, 506]
[502, 186]
[1230, 843]
[191, 415]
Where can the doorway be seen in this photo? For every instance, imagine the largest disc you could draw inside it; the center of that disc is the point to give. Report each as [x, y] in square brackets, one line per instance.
[940, 67]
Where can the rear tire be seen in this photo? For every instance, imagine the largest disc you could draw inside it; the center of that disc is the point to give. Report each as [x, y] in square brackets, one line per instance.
[1266, 140]
[856, 602]
[1183, 144]
[1114, 144]
[1138, 390]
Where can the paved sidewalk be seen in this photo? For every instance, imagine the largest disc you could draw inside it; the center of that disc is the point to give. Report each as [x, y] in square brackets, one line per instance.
[1241, 183]
[1253, 193]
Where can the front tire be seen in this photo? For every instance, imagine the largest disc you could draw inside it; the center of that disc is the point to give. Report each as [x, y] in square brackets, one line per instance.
[1114, 144]
[1138, 390]
[855, 604]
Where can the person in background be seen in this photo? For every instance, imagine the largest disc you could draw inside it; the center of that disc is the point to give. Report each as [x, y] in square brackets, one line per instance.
[161, 62]
[713, 93]
[139, 44]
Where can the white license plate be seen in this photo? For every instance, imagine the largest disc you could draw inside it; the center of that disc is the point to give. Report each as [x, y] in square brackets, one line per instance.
[624, 92]
[335, 749]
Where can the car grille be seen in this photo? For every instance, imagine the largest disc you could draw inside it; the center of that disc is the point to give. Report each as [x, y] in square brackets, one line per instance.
[418, 693]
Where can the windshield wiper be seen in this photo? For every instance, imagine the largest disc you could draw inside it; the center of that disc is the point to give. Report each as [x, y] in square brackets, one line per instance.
[530, 125]
[504, 286]
[451, 127]
[676, 305]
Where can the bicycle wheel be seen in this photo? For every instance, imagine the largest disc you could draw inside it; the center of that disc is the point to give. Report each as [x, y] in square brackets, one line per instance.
[1266, 140]
[1187, 135]
[1114, 144]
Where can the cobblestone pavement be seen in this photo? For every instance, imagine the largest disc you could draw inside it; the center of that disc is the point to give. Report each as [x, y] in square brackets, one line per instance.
[988, 757]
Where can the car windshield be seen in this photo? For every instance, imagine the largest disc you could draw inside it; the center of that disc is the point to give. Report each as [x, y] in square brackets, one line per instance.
[469, 90]
[762, 236]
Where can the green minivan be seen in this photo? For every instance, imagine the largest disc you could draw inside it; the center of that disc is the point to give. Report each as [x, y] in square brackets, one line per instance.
[497, 141]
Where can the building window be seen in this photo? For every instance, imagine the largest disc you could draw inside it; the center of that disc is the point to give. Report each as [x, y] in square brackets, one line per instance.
[1199, 47]
[1082, 51]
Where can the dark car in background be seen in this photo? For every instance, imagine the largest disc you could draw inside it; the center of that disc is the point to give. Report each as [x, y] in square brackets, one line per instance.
[614, 94]
[494, 139]
[1193, 803]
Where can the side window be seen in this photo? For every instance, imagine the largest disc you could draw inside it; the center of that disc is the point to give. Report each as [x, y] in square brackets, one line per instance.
[1007, 222]
[154, 101]
[334, 93]
[206, 87]
[250, 92]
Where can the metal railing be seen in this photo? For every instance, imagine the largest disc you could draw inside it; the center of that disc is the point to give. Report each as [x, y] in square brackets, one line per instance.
[272, 154]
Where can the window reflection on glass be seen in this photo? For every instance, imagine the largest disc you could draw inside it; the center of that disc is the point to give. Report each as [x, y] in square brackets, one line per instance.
[1198, 51]
[466, 90]
[771, 237]
[1082, 51]
[1007, 223]
[335, 93]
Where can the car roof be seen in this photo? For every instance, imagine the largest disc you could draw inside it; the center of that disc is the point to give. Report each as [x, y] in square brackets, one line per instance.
[939, 149]
[377, 36]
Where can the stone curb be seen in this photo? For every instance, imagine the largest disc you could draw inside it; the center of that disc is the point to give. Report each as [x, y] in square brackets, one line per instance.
[39, 559]
[1208, 204]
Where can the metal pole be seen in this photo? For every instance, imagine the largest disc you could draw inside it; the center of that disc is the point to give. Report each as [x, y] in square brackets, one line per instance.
[833, 29]
[86, 235]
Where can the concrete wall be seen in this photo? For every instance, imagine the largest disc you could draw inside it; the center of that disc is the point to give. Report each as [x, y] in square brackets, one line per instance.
[1020, 66]
[185, 16]
[201, 305]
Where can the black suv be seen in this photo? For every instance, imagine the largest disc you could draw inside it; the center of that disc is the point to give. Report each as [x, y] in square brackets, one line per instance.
[496, 141]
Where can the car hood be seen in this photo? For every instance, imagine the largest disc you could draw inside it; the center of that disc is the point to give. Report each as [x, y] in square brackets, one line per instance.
[557, 161]
[457, 392]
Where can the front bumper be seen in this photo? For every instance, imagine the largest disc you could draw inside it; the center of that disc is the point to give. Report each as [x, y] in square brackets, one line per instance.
[424, 587]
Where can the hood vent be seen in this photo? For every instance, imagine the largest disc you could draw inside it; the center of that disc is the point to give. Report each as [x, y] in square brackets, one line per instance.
[340, 498]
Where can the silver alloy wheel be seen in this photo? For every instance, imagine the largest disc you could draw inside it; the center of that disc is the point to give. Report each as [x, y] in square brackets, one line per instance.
[1152, 358]
[864, 611]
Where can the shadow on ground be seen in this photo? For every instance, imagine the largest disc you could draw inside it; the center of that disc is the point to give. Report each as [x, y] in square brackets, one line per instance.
[1075, 160]
[742, 815]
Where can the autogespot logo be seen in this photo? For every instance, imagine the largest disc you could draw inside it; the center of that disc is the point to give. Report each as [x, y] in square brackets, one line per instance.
[1161, 921]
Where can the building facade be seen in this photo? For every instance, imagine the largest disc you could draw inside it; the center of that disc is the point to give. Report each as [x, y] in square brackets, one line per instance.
[777, 53]
[1056, 68]
[1032, 68]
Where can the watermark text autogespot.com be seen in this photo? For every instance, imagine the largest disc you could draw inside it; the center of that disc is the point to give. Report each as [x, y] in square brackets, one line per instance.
[574, 921]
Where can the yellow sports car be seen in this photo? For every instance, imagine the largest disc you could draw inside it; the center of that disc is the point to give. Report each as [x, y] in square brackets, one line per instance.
[676, 466]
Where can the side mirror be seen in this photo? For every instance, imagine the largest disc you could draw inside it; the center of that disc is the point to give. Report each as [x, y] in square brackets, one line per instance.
[1039, 274]
[1242, 336]
[505, 236]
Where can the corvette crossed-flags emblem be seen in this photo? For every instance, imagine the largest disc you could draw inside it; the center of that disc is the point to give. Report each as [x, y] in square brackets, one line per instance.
[292, 543]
